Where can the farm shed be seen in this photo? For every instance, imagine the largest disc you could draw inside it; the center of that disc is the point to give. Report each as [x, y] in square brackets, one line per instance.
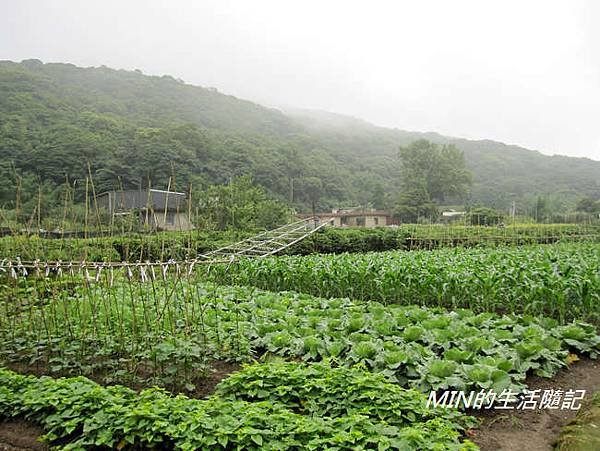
[158, 209]
[357, 218]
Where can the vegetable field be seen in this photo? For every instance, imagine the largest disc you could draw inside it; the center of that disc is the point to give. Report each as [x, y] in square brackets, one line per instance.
[321, 351]
[90, 416]
[560, 281]
[119, 334]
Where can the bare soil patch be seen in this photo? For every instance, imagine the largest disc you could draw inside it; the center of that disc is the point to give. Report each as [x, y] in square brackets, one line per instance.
[218, 371]
[205, 384]
[18, 435]
[536, 430]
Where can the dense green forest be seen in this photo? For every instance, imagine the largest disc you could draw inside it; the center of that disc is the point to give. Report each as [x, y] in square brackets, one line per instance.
[137, 130]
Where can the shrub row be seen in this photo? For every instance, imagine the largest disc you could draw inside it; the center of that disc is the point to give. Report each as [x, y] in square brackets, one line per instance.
[181, 245]
[133, 247]
[409, 237]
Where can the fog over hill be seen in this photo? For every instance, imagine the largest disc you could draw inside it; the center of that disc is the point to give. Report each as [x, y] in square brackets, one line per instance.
[133, 128]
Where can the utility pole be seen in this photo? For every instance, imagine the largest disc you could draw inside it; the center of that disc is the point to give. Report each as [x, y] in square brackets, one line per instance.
[513, 210]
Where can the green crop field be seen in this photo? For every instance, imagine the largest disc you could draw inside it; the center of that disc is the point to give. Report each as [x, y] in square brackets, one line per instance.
[170, 337]
[291, 352]
[561, 281]
[87, 415]
[185, 269]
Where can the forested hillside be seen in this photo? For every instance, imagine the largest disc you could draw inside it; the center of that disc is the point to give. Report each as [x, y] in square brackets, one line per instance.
[501, 172]
[135, 129]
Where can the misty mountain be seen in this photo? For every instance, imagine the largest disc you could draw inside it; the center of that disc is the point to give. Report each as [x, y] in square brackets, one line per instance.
[136, 129]
[501, 172]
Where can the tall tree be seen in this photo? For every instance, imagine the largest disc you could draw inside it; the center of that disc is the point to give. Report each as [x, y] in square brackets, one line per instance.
[442, 168]
[312, 188]
[430, 173]
[542, 209]
[239, 205]
[414, 203]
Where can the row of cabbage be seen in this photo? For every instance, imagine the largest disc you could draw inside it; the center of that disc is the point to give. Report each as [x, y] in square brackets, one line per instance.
[122, 332]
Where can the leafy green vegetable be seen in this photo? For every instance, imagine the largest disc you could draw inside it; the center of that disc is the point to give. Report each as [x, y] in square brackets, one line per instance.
[273, 410]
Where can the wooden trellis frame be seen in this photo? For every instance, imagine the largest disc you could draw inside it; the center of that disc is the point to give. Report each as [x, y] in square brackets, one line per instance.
[264, 244]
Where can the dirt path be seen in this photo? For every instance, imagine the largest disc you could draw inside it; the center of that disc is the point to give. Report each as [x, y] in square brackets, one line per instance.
[18, 435]
[537, 430]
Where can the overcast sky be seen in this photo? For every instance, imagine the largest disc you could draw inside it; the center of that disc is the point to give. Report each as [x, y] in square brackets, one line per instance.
[520, 72]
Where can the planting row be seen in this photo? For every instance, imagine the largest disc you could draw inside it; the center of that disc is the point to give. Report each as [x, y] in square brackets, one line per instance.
[126, 247]
[179, 246]
[299, 407]
[169, 334]
[435, 236]
[561, 281]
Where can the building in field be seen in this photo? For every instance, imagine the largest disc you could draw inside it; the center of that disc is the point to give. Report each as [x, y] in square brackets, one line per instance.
[357, 218]
[156, 209]
[452, 215]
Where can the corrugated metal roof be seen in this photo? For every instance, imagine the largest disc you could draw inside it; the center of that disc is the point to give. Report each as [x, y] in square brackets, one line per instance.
[157, 200]
[351, 213]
